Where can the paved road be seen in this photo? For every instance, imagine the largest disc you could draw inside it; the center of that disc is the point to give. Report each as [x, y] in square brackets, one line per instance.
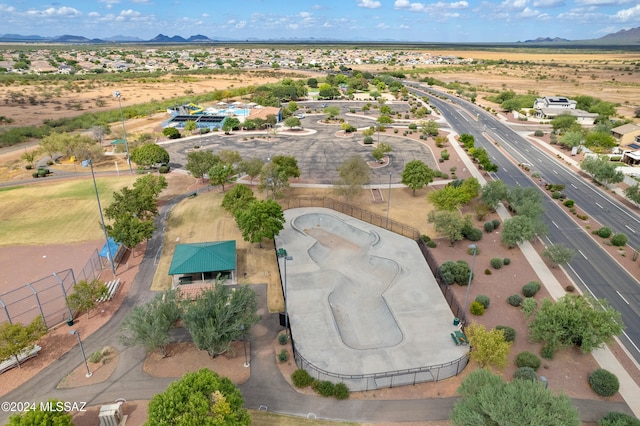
[266, 388]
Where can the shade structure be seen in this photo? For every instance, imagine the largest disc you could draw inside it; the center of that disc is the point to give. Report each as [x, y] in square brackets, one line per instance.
[217, 256]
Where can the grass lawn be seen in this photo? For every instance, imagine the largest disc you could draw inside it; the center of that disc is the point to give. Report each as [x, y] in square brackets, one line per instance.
[263, 418]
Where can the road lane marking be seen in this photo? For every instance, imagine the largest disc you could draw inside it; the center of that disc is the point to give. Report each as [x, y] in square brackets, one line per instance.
[622, 297]
[574, 187]
[555, 224]
[597, 204]
[630, 229]
[585, 257]
[555, 172]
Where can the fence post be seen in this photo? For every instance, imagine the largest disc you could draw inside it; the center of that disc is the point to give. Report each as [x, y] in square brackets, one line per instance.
[35, 293]
[64, 293]
[6, 311]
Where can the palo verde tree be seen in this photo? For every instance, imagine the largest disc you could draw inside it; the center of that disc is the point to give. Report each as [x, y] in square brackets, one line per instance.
[16, 338]
[575, 320]
[517, 230]
[354, 173]
[86, 294]
[149, 325]
[200, 162]
[602, 170]
[379, 151]
[199, 398]
[221, 315]
[558, 254]
[292, 122]
[260, 219]
[488, 399]
[416, 175]
[494, 192]
[633, 193]
[149, 154]
[488, 347]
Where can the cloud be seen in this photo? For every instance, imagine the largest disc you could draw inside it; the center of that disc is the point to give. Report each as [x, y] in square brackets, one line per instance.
[603, 2]
[52, 12]
[626, 15]
[548, 3]
[305, 15]
[369, 4]
[514, 4]
[141, 1]
[7, 9]
[240, 25]
[431, 8]
[317, 7]
[109, 2]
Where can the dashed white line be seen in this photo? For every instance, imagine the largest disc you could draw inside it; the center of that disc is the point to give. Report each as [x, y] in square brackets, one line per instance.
[630, 229]
[622, 297]
[574, 187]
[597, 204]
[555, 224]
[555, 172]
[585, 257]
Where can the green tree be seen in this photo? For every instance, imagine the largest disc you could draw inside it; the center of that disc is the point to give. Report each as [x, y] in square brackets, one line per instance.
[494, 192]
[488, 347]
[563, 122]
[86, 295]
[449, 223]
[448, 198]
[602, 170]
[332, 111]
[48, 417]
[575, 320]
[292, 122]
[200, 162]
[149, 325]
[600, 141]
[190, 126]
[16, 338]
[430, 128]
[252, 167]
[292, 107]
[488, 400]
[171, 132]
[237, 198]
[354, 173]
[148, 154]
[230, 156]
[416, 175]
[219, 316]
[221, 174]
[29, 157]
[379, 151]
[467, 140]
[260, 219]
[517, 230]
[278, 172]
[558, 254]
[229, 124]
[572, 139]
[384, 120]
[633, 193]
[198, 398]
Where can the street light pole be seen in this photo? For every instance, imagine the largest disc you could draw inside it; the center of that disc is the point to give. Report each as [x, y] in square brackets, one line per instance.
[244, 343]
[86, 163]
[388, 200]
[473, 247]
[283, 254]
[84, 357]
[124, 130]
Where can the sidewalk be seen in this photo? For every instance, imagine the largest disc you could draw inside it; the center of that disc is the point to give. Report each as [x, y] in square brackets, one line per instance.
[629, 390]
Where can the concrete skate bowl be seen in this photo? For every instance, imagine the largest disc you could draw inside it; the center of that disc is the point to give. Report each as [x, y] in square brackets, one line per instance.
[364, 308]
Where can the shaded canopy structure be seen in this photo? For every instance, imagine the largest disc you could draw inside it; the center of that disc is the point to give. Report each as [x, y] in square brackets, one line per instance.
[204, 261]
[111, 247]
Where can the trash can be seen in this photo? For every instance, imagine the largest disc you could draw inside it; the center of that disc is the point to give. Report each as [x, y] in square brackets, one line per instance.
[70, 322]
[456, 321]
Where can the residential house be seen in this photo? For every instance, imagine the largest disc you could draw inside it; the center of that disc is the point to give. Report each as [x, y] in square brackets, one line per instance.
[550, 107]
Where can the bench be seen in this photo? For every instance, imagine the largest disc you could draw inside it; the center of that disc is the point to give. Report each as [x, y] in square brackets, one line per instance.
[23, 356]
[112, 288]
[455, 339]
[461, 337]
[193, 195]
[185, 280]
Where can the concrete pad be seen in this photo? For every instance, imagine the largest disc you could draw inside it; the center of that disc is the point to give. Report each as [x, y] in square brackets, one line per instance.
[363, 306]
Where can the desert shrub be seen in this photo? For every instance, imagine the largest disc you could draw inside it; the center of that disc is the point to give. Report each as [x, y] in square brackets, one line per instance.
[432, 244]
[547, 352]
[506, 261]
[368, 140]
[484, 300]
[526, 373]
[301, 379]
[496, 223]
[603, 232]
[529, 305]
[514, 300]
[569, 203]
[531, 288]
[556, 195]
[604, 382]
[425, 238]
[283, 356]
[496, 262]
[171, 132]
[615, 418]
[341, 391]
[395, 130]
[528, 359]
[619, 240]
[476, 308]
[538, 133]
[413, 126]
[570, 289]
[583, 217]
[283, 339]
[488, 227]
[323, 387]
[508, 332]
[164, 169]
[472, 234]
[95, 357]
[455, 272]
[487, 272]
[444, 154]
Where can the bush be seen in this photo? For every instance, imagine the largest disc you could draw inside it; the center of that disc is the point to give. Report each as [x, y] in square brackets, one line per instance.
[431, 244]
[508, 332]
[514, 300]
[531, 288]
[472, 234]
[96, 356]
[604, 382]
[556, 195]
[538, 133]
[395, 130]
[341, 391]
[526, 373]
[301, 379]
[529, 305]
[603, 232]
[619, 240]
[496, 223]
[496, 262]
[323, 387]
[569, 203]
[368, 140]
[164, 169]
[283, 356]
[618, 419]
[476, 308]
[444, 154]
[487, 272]
[528, 359]
[488, 227]
[455, 272]
[283, 338]
[570, 289]
[425, 238]
[484, 300]
[547, 352]
[413, 126]
[506, 261]
[171, 132]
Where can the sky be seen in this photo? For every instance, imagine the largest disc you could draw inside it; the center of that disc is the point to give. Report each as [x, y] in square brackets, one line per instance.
[457, 21]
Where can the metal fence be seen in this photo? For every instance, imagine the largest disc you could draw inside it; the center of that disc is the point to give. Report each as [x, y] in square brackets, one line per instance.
[47, 296]
[361, 382]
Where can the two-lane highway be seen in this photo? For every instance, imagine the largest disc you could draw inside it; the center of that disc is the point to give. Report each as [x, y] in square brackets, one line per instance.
[592, 268]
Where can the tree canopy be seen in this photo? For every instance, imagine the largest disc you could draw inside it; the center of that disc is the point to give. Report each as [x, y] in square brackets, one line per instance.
[276, 173]
[199, 398]
[354, 172]
[517, 230]
[237, 198]
[558, 254]
[200, 162]
[221, 174]
[260, 219]
[15, 338]
[488, 347]
[602, 170]
[48, 417]
[449, 223]
[148, 154]
[416, 175]
[85, 295]
[494, 192]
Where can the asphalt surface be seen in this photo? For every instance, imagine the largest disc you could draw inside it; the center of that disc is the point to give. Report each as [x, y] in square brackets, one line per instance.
[266, 389]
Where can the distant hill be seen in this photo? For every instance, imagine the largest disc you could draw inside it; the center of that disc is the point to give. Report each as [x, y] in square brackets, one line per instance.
[547, 40]
[161, 38]
[629, 37]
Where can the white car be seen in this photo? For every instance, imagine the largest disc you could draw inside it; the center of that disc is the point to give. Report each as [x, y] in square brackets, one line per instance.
[301, 116]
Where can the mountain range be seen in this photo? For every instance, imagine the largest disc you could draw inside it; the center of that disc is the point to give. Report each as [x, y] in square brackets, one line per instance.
[630, 37]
